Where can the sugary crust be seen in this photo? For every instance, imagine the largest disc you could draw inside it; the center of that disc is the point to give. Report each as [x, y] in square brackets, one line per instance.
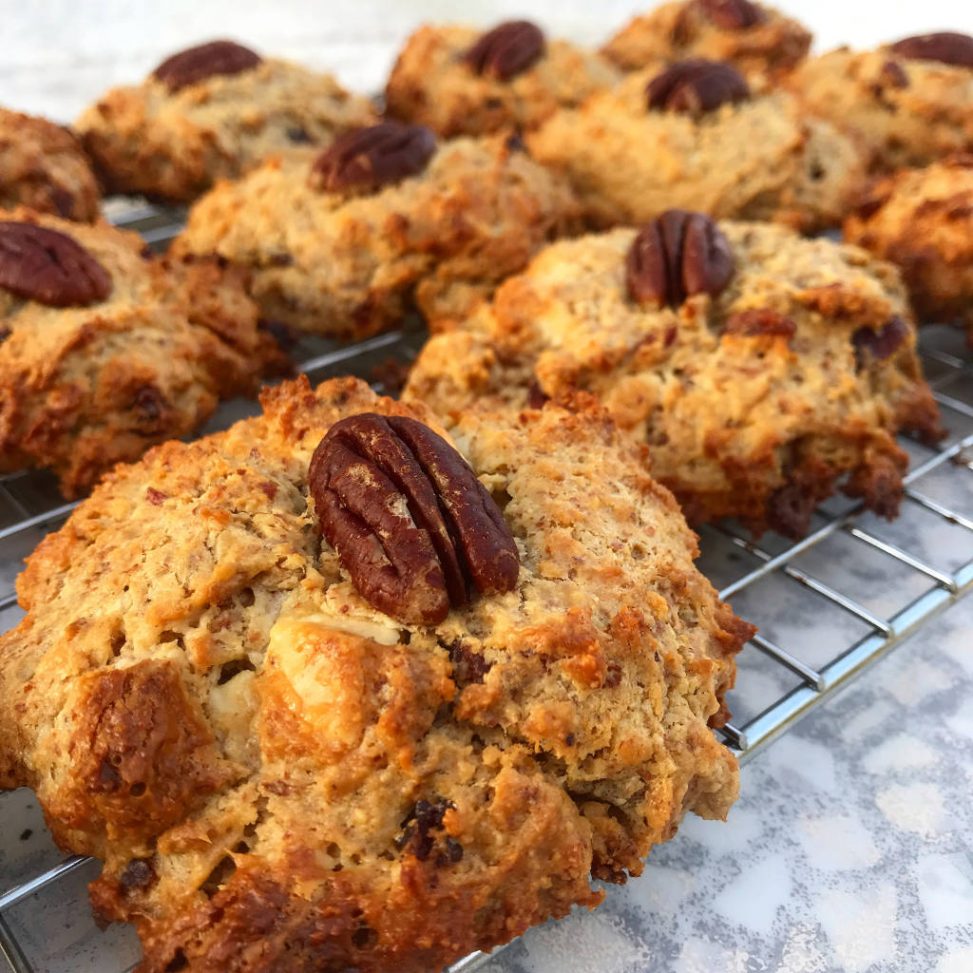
[85, 388]
[674, 31]
[761, 159]
[43, 166]
[175, 145]
[759, 426]
[349, 266]
[201, 698]
[431, 84]
[905, 112]
[922, 221]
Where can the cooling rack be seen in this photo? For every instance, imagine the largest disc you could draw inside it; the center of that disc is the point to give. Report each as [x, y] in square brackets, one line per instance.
[828, 607]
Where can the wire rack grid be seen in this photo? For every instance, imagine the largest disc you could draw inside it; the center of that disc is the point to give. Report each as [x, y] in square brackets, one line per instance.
[849, 565]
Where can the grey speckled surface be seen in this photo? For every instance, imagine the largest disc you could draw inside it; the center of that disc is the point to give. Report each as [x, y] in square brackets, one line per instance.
[851, 848]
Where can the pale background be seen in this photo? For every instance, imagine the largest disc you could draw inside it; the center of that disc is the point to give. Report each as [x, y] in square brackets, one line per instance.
[59, 55]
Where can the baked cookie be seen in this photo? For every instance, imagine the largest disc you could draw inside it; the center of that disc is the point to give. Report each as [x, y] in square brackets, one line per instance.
[43, 166]
[105, 350]
[698, 134]
[757, 39]
[763, 370]
[461, 81]
[922, 220]
[908, 103]
[341, 244]
[280, 776]
[208, 113]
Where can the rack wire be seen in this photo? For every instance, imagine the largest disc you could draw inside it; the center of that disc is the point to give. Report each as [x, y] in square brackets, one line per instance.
[796, 675]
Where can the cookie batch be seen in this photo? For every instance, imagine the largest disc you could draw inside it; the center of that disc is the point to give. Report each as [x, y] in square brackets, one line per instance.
[762, 369]
[364, 683]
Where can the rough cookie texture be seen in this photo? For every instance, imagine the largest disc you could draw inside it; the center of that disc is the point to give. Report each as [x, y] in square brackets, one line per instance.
[904, 111]
[922, 220]
[758, 39]
[760, 158]
[756, 402]
[175, 144]
[348, 265]
[145, 358]
[433, 84]
[279, 777]
[43, 166]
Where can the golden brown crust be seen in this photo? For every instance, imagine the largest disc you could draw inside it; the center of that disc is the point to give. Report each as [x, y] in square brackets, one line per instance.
[175, 145]
[760, 159]
[922, 221]
[431, 84]
[307, 784]
[673, 31]
[349, 267]
[87, 387]
[43, 166]
[743, 416]
[903, 111]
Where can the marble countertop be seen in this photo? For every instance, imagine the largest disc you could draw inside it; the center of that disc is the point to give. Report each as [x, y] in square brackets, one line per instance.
[851, 848]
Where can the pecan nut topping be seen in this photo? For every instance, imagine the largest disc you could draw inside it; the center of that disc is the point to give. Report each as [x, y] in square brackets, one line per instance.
[365, 159]
[205, 61]
[696, 86]
[49, 267]
[947, 47]
[411, 523]
[678, 255]
[730, 14]
[507, 50]
[881, 343]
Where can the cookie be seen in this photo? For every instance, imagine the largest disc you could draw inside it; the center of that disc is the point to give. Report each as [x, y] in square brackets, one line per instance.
[343, 243]
[922, 221]
[280, 776]
[211, 112]
[762, 370]
[757, 39]
[43, 166]
[105, 350]
[462, 81]
[908, 103]
[697, 134]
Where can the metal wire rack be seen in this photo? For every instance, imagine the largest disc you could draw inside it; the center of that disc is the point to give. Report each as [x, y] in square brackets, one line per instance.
[882, 582]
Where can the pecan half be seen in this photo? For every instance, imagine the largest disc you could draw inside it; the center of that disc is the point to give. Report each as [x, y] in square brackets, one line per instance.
[411, 523]
[205, 61]
[879, 344]
[696, 86]
[730, 14]
[947, 47]
[507, 50]
[678, 255]
[365, 159]
[49, 267]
